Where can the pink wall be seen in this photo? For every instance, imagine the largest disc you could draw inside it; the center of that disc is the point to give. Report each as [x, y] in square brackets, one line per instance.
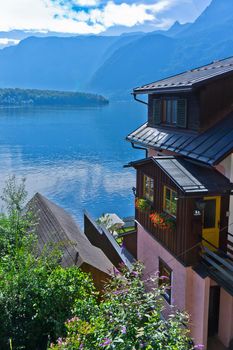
[225, 331]
[189, 291]
[197, 305]
[149, 251]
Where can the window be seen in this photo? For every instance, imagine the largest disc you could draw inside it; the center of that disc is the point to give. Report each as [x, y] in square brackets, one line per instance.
[148, 188]
[165, 279]
[170, 112]
[209, 214]
[170, 201]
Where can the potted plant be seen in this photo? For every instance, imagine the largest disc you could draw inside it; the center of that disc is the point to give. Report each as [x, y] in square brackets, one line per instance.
[142, 204]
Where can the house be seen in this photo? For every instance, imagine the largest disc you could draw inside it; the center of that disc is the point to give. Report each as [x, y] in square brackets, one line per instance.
[184, 205]
[54, 225]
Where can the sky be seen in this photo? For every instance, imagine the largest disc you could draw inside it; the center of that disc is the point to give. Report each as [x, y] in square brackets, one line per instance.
[97, 16]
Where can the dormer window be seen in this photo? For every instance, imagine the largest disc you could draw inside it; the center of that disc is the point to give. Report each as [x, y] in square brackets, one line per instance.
[170, 111]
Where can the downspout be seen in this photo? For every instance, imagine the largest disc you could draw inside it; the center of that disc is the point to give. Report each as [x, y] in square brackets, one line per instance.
[137, 99]
[140, 148]
[133, 145]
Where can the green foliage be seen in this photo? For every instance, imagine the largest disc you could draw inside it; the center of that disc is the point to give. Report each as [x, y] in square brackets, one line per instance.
[33, 97]
[142, 204]
[128, 318]
[37, 295]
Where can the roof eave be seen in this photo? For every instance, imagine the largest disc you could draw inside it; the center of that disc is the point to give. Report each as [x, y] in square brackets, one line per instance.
[162, 90]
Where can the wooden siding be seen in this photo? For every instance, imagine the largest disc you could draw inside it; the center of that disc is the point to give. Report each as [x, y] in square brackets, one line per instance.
[183, 243]
[130, 243]
[100, 240]
[193, 110]
[99, 277]
[216, 101]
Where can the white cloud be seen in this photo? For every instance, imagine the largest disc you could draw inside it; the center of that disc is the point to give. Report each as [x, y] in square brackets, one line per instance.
[6, 41]
[47, 15]
[86, 3]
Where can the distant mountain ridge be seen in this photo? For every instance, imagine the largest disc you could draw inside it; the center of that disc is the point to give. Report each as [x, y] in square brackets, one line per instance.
[113, 65]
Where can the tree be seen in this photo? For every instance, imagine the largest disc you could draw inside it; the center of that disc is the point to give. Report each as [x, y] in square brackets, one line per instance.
[37, 295]
[128, 318]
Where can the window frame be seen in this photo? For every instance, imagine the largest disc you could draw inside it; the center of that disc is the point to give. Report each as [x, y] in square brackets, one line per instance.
[145, 194]
[168, 292]
[165, 188]
[169, 121]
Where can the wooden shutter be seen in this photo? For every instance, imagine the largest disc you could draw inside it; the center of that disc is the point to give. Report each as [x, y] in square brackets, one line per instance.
[182, 113]
[157, 109]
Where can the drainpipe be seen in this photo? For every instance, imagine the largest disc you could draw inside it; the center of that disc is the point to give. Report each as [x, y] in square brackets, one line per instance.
[133, 145]
[137, 99]
[140, 148]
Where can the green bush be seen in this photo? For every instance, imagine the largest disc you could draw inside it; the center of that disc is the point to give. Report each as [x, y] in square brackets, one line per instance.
[128, 318]
[37, 295]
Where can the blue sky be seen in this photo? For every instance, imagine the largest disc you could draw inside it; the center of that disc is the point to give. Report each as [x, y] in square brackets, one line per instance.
[97, 16]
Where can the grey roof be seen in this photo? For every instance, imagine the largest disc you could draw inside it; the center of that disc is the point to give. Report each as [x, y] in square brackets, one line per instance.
[55, 225]
[190, 79]
[209, 147]
[190, 177]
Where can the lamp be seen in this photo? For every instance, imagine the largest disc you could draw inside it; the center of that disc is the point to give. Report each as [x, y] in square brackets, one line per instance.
[200, 206]
[134, 191]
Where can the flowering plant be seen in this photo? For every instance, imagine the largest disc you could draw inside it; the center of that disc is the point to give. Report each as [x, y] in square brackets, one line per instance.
[128, 318]
[163, 221]
[142, 204]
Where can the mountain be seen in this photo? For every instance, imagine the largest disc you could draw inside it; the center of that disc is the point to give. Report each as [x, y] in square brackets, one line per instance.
[157, 55]
[13, 37]
[56, 62]
[113, 65]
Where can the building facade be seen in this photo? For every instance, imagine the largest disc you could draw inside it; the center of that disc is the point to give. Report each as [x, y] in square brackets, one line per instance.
[184, 202]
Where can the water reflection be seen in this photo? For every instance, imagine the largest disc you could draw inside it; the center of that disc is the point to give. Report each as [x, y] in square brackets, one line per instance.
[74, 157]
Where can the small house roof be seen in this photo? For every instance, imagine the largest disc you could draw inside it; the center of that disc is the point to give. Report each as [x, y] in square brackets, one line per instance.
[100, 237]
[189, 79]
[190, 177]
[209, 147]
[55, 225]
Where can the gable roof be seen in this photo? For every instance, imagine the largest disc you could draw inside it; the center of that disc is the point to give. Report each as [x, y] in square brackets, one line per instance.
[189, 79]
[55, 225]
[190, 177]
[209, 147]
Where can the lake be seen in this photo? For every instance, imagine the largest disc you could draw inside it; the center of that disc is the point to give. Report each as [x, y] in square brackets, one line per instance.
[73, 156]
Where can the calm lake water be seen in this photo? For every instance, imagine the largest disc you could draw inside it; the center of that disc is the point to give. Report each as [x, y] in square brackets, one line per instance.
[75, 157]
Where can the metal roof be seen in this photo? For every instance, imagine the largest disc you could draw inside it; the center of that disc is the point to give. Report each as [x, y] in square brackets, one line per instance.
[55, 225]
[209, 147]
[189, 79]
[190, 177]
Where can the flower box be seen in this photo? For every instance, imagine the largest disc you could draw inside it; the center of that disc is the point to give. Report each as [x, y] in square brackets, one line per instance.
[163, 221]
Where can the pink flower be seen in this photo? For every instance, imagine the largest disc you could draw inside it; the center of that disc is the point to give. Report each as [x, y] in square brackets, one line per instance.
[199, 346]
[106, 342]
[164, 278]
[59, 341]
[123, 330]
